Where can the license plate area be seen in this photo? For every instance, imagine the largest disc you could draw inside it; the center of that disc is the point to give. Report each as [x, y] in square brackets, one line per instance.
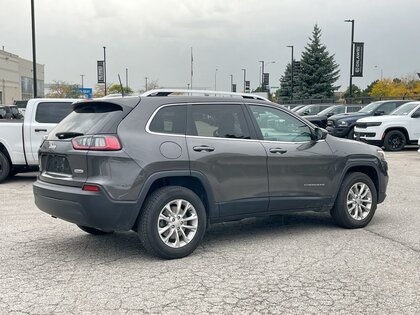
[58, 164]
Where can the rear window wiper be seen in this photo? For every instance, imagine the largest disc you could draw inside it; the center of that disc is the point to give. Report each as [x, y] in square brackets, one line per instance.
[67, 135]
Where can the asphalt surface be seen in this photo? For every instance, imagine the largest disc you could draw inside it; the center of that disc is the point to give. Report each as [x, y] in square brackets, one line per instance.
[296, 264]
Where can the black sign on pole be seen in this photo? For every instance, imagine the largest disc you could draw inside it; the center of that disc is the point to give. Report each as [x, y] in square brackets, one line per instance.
[101, 73]
[358, 59]
[234, 87]
[247, 86]
[266, 81]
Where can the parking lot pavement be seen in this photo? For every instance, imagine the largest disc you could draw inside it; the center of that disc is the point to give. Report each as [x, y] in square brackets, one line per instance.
[300, 264]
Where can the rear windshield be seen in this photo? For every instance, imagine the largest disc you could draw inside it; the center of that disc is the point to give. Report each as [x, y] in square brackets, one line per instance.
[90, 118]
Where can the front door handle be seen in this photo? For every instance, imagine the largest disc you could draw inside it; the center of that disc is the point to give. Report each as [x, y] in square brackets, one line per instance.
[40, 130]
[203, 148]
[278, 150]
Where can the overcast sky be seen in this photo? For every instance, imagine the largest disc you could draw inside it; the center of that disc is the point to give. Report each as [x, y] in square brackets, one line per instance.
[153, 38]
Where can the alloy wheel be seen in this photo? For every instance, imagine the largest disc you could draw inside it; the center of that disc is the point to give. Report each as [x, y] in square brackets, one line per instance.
[359, 201]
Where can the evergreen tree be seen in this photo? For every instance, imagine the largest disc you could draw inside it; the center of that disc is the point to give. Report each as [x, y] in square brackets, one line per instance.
[319, 71]
[356, 91]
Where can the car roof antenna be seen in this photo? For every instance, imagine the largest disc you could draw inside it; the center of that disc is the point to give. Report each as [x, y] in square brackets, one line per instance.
[122, 89]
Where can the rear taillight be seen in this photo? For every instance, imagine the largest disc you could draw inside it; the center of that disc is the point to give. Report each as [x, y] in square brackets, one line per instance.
[96, 143]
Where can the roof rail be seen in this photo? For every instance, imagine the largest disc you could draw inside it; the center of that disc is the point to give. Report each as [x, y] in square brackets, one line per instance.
[167, 92]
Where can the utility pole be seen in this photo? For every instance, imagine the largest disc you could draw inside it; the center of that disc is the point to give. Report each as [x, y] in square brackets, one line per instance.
[291, 83]
[105, 68]
[146, 84]
[231, 82]
[244, 70]
[35, 85]
[215, 79]
[192, 68]
[351, 57]
[82, 75]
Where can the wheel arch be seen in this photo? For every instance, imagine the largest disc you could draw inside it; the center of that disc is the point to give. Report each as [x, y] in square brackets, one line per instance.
[399, 128]
[4, 150]
[194, 181]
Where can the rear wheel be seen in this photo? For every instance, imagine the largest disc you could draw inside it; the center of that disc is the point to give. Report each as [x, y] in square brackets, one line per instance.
[172, 222]
[394, 140]
[94, 231]
[4, 167]
[356, 201]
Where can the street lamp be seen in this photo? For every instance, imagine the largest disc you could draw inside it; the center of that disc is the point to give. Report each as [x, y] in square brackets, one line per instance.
[231, 82]
[146, 83]
[351, 56]
[34, 49]
[244, 70]
[105, 67]
[262, 71]
[291, 83]
[381, 72]
[126, 78]
[82, 75]
[215, 79]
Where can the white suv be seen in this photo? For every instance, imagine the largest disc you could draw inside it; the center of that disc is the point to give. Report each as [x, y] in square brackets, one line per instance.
[392, 131]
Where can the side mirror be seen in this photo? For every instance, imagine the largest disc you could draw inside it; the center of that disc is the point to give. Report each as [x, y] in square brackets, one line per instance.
[379, 113]
[330, 114]
[415, 115]
[320, 134]
[306, 113]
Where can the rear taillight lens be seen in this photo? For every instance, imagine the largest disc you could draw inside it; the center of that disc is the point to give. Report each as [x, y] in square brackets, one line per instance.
[96, 143]
[91, 188]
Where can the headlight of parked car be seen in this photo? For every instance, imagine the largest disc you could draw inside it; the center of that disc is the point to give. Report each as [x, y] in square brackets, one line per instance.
[372, 124]
[381, 154]
[343, 123]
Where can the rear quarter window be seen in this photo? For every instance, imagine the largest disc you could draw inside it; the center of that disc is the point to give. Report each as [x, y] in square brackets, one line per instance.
[170, 119]
[52, 112]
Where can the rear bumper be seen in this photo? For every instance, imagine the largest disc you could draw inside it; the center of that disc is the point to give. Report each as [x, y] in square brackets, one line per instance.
[92, 209]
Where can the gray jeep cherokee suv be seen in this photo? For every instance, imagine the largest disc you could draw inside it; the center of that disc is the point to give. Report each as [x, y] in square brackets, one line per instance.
[169, 166]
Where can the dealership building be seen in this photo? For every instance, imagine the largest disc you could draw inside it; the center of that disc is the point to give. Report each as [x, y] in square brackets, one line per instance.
[16, 78]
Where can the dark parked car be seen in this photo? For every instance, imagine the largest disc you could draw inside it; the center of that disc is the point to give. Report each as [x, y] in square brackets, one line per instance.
[167, 167]
[321, 118]
[312, 109]
[10, 112]
[343, 125]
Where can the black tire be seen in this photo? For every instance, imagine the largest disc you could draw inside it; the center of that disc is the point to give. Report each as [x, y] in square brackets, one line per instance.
[394, 140]
[94, 231]
[147, 227]
[350, 135]
[4, 167]
[340, 212]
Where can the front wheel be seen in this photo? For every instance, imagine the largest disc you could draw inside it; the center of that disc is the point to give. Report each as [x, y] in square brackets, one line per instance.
[350, 135]
[172, 222]
[394, 140]
[356, 201]
[4, 167]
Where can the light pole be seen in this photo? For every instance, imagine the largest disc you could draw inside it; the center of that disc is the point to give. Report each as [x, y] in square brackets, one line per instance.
[34, 49]
[262, 74]
[215, 79]
[231, 82]
[351, 57]
[146, 83]
[381, 71]
[105, 68]
[244, 70]
[291, 76]
[126, 78]
[82, 75]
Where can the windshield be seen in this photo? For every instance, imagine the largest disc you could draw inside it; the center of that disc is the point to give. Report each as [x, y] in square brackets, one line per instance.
[405, 109]
[370, 108]
[303, 109]
[333, 109]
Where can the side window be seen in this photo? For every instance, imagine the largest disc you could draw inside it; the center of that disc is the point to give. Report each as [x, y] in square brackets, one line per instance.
[52, 113]
[222, 121]
[352, 109]
[387, 108]
[416, 113]
[276, 125]
[170, 119]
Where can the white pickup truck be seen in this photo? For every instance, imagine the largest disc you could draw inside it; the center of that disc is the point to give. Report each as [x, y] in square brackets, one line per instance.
[393, 131]
[20, 139]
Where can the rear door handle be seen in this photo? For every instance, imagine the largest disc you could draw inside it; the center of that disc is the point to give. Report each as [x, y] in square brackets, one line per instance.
[203, 148]
[278, 150]
[40, 130]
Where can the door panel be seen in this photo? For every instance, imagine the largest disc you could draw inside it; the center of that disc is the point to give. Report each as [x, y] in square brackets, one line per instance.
[236, 167]
[300, 170]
